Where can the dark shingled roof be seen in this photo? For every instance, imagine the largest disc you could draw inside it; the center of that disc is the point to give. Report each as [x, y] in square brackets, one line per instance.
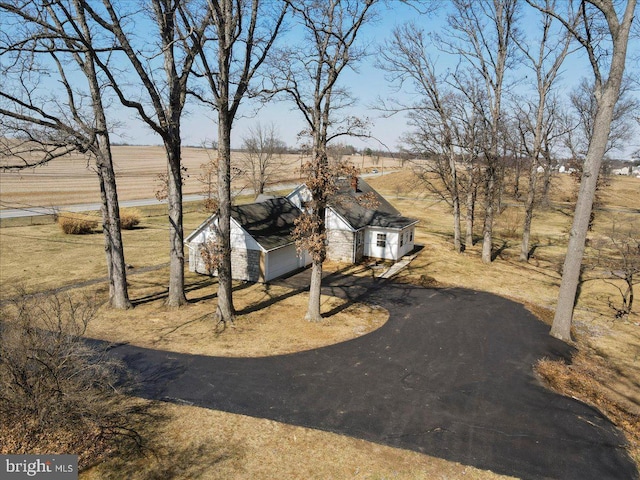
[363, 207]
[270, 222]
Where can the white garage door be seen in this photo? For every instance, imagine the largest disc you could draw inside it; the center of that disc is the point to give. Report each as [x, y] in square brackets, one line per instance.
[281, 261]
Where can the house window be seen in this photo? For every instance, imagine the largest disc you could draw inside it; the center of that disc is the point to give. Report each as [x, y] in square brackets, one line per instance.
[402, 239]
[381, 240]
[411, 236]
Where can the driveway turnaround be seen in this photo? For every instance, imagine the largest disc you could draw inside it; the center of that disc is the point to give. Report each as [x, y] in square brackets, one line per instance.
[450, 375]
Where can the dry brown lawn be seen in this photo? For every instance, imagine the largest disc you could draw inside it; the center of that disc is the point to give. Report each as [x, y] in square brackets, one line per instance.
[197, 443]
[269, 320]
[72, 179]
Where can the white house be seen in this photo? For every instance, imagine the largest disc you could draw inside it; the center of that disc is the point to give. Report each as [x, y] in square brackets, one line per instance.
[360, 223]
[262, 247]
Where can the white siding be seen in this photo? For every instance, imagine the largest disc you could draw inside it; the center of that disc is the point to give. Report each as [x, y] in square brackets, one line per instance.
[397, 244]
[333, 221]
[299, 197]
[239, 237]
[390, 249]
[240, 241]
[281, 261]
[409, 241]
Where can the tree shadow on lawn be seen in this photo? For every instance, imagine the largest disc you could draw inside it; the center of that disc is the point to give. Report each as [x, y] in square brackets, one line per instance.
[271, 300]
[500, 250]
[297, 287]
[333, 284]
[194, 286]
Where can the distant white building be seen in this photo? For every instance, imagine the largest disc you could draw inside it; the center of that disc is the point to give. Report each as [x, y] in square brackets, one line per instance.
[621, 171]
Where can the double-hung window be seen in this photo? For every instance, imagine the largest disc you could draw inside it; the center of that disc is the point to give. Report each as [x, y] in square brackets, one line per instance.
[381, 240]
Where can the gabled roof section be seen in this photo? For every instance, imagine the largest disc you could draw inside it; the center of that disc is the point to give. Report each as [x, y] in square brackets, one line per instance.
[360, 205]
[270, 223]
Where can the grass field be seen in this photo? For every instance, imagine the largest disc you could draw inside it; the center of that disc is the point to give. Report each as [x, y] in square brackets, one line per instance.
[72, 180]
[195, 443]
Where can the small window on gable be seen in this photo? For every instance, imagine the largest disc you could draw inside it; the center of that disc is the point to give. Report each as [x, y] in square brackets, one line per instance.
[381, 240]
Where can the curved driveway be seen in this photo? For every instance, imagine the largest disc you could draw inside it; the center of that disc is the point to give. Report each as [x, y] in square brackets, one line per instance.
[450, 375]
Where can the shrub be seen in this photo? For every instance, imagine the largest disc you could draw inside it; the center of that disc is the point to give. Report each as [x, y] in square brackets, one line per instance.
[129, 218]
[59, 393]
[76, 223]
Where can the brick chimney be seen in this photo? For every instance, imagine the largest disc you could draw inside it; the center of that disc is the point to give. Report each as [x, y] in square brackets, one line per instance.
[354, 183]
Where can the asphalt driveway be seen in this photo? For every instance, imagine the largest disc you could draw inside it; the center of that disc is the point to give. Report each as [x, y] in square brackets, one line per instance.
[450, 375]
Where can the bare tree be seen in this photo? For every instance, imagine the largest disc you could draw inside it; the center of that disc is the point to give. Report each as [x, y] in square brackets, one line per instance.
[481, 34]
[162, 66]
[536, 119]
[471, 133]
[336, 153]
[261, 159]
[208, 178]
[436, 136]
[583, 101]
[608, 48]
[52, 124]
[308, 75]
[231, 52]
[619, 254]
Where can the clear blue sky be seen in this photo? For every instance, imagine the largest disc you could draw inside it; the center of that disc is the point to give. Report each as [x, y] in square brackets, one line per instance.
[367, 84]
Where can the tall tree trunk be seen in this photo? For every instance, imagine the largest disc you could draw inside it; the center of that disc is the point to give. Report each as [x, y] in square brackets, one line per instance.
[225, 311]
[528, 212]
[471, 206]
[114, 248]
[489, 202]
[455, 197]
[313, 309]
[516, 180]
[499, 191]
[607, 95]
[546, 182]
[106, 229]
[176, 236]
[457, 234]
[533, 176]
[562, 320]
[320, 250]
